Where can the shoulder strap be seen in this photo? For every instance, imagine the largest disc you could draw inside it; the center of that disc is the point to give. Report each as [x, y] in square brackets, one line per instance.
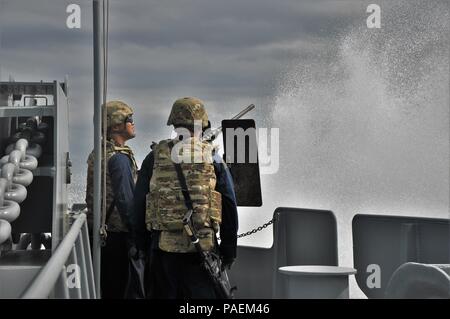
[126, 150]
[182, 180]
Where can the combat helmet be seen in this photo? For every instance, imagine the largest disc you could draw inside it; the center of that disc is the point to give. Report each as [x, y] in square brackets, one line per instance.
[117, 112]
[187, 110]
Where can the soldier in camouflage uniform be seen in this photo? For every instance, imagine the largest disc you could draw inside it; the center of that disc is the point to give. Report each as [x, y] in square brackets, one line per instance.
[121, 176]
[175, 270]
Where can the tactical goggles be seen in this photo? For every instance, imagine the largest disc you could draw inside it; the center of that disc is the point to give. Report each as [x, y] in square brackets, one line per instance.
[129, 119]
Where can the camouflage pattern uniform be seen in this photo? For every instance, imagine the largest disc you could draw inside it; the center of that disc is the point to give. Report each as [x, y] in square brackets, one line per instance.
[165, 202]
[114, 222]
[166, 206]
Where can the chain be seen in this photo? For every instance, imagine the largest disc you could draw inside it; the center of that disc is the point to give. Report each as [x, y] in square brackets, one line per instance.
[255, 230]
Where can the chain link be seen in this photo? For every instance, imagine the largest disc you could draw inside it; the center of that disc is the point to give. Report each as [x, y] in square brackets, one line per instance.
[255, 230]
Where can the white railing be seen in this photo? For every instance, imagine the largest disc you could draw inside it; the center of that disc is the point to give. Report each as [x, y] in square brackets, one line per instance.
[68, 273]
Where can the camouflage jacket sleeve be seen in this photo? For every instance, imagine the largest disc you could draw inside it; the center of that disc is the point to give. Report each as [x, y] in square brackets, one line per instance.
[139, 202]
[119, 167]
[229, 226]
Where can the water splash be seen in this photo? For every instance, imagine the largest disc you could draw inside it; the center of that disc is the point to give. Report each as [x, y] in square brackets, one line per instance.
[365, 127]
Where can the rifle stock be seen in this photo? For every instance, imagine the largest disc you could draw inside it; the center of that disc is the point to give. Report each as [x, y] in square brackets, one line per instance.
[211, 262]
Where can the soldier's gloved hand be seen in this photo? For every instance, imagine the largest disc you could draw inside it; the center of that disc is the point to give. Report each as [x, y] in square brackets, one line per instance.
[227, 262]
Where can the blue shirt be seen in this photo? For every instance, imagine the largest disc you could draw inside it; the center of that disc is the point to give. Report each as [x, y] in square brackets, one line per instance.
[122, 183]
[224, 185]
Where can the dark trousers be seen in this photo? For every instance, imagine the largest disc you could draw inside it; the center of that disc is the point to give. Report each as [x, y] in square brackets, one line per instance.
[178, 276]
[114, 266]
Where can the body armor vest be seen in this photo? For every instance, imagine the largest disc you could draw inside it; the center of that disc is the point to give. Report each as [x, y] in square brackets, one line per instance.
[165, 202]
[114, 222]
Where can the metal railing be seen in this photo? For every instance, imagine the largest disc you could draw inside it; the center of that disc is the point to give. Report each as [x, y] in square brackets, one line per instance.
[68, 273]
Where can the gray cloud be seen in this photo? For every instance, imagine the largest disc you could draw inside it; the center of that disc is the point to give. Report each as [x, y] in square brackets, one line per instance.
[227, 24]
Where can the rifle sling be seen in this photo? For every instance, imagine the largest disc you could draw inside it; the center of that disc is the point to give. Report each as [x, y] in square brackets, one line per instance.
[184, 188]
[183, 184]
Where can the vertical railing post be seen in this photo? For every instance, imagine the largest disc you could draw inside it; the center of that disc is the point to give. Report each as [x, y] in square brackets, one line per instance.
[98, 85]
[82, 261]
[87, 251]
[61, 290]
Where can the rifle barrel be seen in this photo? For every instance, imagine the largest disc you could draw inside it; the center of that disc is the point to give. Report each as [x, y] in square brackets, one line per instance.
[239, 115]
[217, 131]
[243, 112]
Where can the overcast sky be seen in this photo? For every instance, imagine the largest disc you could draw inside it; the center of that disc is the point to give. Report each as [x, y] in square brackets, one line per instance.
[229, 53]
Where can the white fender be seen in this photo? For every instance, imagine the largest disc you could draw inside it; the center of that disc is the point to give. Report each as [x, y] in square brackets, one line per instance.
[19, 158]
[4, 160]
[14, 158]
[20, 176]
[8, 173]
[16, 193]
[33, 149]
[3, 186]
[9, 211]
[29, 162]
[22, 145]
[5, 231]
[23, 177]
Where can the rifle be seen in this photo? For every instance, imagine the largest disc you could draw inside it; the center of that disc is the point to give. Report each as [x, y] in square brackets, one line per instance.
[211, 262]
[210, 135]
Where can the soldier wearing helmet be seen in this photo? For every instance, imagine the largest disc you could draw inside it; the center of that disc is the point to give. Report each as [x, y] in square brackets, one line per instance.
[121, 173]
[186, 111]
[159, 206]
